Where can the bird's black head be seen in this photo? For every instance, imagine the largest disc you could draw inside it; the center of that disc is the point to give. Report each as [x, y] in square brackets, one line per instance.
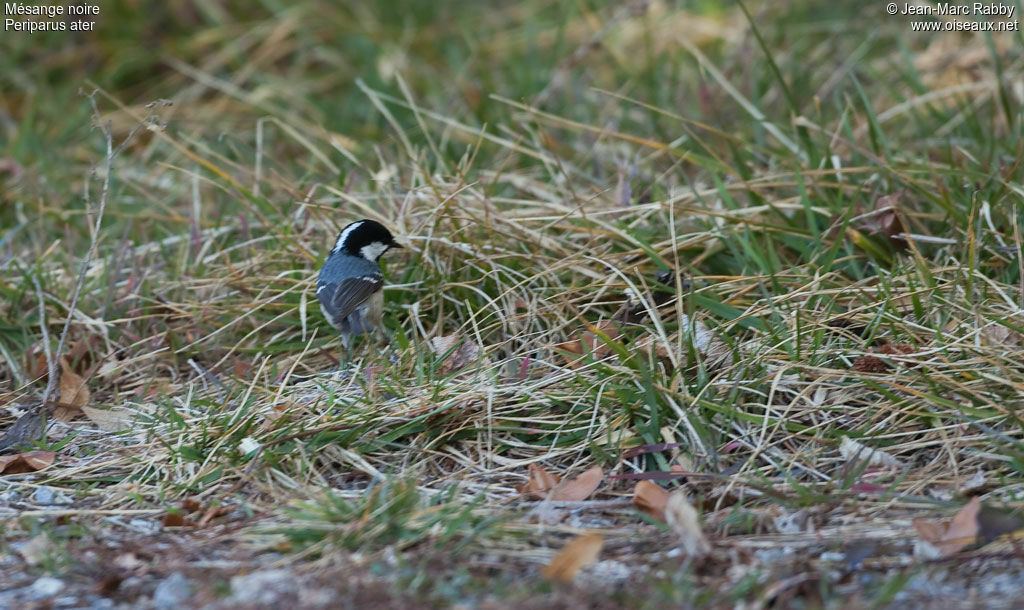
[366, 238]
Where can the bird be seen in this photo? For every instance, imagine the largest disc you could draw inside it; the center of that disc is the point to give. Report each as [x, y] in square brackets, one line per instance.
[350, 284]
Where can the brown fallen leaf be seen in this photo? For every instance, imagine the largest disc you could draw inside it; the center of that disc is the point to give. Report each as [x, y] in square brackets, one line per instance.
[580, 488]
[35, 364]
[109, 420]
[716, 352]
[885, 222]
[84, 355]
[870, 364]
[241, 368]
[998, 335]
[950, 538]
[29, 461]
[682, 517]
[538, 483]
[874, 364]
[711, 348]
[212, 513]
[590, 342]
[460, 357]
[581, 551]
[895, 349]
[73, 392]
[175, 520]
[651, 498]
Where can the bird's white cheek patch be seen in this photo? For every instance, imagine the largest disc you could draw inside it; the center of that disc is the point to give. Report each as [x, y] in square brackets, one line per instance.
[373, 251]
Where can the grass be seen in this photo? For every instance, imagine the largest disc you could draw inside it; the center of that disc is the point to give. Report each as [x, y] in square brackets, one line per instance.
[537, 160]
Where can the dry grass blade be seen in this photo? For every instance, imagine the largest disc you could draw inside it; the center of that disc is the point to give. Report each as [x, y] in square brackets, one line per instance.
[852, 451]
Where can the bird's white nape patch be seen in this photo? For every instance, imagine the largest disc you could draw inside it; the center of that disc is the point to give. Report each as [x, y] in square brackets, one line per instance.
[344, 235]
[373, 251]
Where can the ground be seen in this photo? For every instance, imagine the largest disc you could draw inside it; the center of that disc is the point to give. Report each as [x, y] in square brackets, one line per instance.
[698, 306]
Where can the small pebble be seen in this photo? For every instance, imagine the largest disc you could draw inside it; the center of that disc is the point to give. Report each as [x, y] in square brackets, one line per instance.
[172, 592]
[46, 586]
[265, 587]
[47, 496]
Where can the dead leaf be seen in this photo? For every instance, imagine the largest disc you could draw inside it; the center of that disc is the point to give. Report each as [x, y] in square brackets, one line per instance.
[651, 498]
[591, 342]
[581, 551]
[460, 357]
[29, 461]
[35, 364]
[38, 460]
[83, 355]
[109, 420]
[895, 349]
[580, 488]
[716, 352]
[874, 364]
[175, 520]
[713, 351]
[538, 483]
[682, 517]
[212, 513]
[961, 531]
[885, 222]
[997, 334]
[851, 450]
[241, 368]
[870, 364]
[543, 485]
[73, 392]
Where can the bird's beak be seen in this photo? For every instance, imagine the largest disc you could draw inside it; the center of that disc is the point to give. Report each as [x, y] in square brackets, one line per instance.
[395, 244]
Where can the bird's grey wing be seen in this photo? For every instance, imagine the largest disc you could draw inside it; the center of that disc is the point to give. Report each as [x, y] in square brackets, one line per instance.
[343, 297]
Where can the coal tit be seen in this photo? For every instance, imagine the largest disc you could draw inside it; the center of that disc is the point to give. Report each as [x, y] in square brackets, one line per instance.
[350, 283]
